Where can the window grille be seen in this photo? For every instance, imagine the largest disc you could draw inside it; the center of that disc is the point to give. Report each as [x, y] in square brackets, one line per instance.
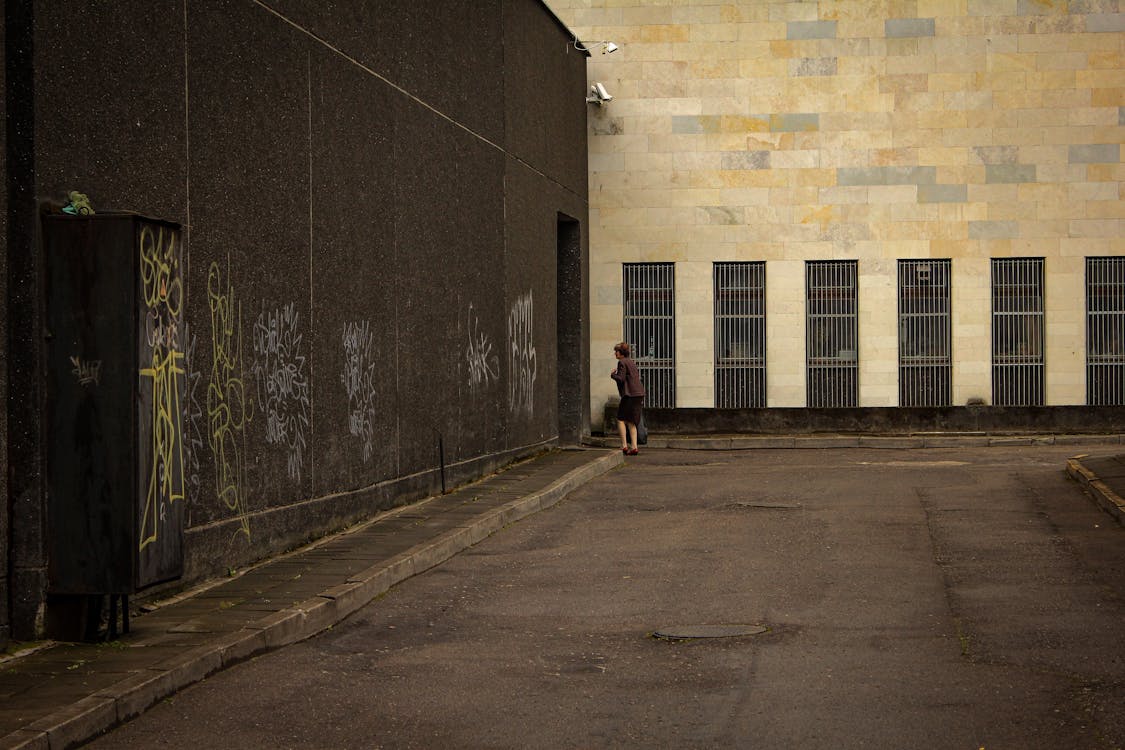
[1017, 331]
[924, 365]
[650, 328]
[1105, 331]
[832, 340]
[740, 335]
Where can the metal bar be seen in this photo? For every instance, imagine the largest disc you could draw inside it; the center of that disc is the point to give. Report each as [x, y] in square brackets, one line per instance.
[1017, 331]
[925, 367]
[831, 340]
[739, 330]
[1105, 331]
[649, 325]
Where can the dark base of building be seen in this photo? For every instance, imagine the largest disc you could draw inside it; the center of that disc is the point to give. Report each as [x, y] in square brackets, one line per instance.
[884, 420]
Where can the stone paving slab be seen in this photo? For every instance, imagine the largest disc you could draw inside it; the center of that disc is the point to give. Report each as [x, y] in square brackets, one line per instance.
[65, 695]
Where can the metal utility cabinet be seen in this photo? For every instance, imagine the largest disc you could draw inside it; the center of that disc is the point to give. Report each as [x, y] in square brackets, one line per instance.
[115, 384]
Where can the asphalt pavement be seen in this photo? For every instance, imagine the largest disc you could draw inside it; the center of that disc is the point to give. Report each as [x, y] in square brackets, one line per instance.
[63, 694]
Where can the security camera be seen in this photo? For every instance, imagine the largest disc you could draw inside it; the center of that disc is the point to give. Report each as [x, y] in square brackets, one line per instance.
[606, 45]
[598, 95]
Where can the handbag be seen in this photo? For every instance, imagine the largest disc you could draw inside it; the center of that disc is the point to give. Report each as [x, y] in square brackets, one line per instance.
[642, 432]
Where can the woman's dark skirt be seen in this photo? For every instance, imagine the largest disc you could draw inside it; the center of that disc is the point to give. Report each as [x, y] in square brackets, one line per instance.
[629, 410]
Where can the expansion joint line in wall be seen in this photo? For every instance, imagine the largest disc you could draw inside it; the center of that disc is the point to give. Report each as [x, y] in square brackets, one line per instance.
[404, 92]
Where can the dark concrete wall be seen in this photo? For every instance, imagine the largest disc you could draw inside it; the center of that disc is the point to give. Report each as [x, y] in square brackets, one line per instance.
[370, 194]
[26, 561]
[5, 620]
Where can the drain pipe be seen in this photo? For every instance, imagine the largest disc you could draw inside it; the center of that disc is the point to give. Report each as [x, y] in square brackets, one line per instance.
[441, 459]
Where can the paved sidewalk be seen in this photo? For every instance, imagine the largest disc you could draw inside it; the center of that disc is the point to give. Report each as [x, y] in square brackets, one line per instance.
[66, 694]
[1101, 475]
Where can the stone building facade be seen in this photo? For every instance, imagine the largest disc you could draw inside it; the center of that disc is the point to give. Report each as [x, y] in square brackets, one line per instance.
[859, 203]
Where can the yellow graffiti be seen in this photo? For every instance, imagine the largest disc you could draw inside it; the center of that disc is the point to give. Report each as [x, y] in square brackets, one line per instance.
[160, 272]
[165, 481]
[228, 411]
[162, 294]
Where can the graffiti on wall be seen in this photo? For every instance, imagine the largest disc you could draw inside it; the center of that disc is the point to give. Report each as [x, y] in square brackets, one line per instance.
[484, 364]
[162, 296]
[283, 385]
[228, 410]
[358, 378]
[521, 356]
[193, 412]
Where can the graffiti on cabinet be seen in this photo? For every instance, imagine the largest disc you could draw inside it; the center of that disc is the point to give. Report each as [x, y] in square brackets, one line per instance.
[228, 409]
[521, 356]
[358, 378]
[162, 290]
[282, 383]
[86, 372]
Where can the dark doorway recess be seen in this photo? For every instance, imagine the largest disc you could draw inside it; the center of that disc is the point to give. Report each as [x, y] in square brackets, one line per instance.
[568, 319]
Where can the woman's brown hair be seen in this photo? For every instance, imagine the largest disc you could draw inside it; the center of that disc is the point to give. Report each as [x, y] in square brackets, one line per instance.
[623, 348]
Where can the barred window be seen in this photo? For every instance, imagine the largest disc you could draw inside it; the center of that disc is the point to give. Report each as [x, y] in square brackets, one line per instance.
[924, 364]
[1017, 331]
[649, 299]
[832, 336]
[1105, 331]
[740, 335]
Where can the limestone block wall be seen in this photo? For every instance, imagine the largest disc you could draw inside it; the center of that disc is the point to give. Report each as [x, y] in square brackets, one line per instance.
[868, 130]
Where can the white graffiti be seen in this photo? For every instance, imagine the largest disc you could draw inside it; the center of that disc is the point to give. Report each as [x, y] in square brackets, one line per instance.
[283, 386]
[483, 364]
[358, 378]
[521, 357]
[86, 372]
[160, 330]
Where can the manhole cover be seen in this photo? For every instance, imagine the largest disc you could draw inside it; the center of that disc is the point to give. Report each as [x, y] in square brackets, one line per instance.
[691, 632]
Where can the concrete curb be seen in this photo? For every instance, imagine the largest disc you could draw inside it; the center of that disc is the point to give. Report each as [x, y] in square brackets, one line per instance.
[1109, 500]
[132, 696]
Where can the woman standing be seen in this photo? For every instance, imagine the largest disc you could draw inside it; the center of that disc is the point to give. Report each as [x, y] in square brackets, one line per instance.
[632, 392]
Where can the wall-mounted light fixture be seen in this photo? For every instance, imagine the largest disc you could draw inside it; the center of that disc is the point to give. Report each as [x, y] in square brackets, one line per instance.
[598, 95]
[606, 45]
